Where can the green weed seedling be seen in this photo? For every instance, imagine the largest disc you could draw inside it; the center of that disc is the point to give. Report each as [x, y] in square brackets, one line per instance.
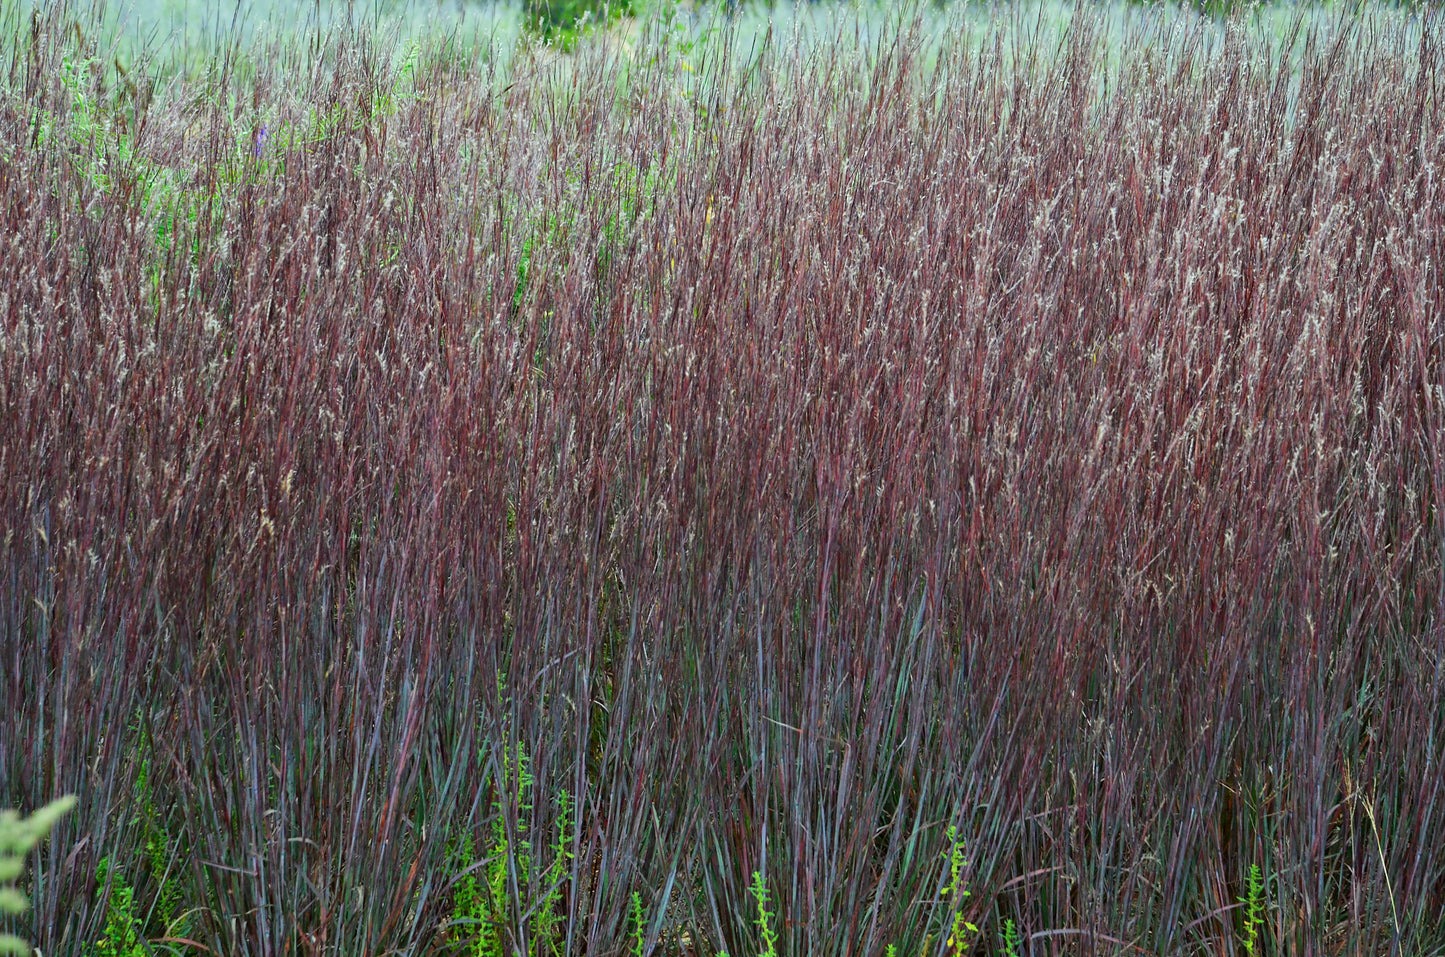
[100, 133]
[548, 920]
[524, 263]
[479, 905]
[1011, 940]
[386, 102]
[87, 123]
[17, 837]
[765, 916]
[471, 907]
[957, 940]
[516, 776]
[769, 936]
[1253, 902]
[638, 938]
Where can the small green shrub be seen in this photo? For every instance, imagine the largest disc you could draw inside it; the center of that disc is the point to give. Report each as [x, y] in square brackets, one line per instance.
[479, 905]
[18, 836]
[548, 918]
[160, 849]
[471, 908]
[123, 932]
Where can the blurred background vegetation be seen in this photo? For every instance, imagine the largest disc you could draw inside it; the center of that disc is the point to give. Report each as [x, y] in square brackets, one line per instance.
[190, 32]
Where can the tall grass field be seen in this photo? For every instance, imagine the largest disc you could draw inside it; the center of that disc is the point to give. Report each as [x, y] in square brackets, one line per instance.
[702, 479]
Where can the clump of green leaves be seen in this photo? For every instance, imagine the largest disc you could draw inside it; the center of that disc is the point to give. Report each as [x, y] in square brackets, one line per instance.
[17, 837]
[479, 905]
[122, 934]
[471, 907]
[548, 918]
[1011, 941]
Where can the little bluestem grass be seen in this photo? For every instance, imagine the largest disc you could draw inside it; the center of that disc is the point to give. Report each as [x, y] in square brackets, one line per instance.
[860, 426]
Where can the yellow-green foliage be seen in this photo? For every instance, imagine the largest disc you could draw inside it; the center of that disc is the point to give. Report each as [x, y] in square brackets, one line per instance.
[765, 916]
[639, 938]
[17, 836]
[479, 906]
[122, 934]
[471, 909]
[548, 919]
[1254, 909]
[1011, 940]
[957, 937]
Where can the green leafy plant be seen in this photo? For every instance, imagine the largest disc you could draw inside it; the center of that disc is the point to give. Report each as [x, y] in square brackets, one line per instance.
[1253, 902]
[100, 127]
[471, 907]
[122, 934]
[765, 916]
[516, 779]
[385, 101]
[636, 190]
[478, 905]
[17, 837]
[524, 263]
[548, 919]
[87, 123]
[957, 893]
[1011, 939]
[637, 935]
